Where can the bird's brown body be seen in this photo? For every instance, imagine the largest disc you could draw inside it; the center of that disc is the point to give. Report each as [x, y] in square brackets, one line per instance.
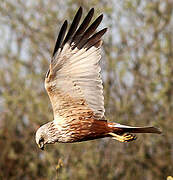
[73, 83]
[91, 129]
[80, 123]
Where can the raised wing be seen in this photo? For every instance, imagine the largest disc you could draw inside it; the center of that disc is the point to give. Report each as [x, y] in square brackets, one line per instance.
[73, 81]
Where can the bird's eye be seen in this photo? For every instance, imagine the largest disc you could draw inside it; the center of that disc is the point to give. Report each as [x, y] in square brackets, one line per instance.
[41, 143]
[41, 140]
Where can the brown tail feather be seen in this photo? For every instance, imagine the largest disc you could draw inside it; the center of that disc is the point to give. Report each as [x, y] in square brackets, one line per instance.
[124, 129]
[122, 133]
[143, 130]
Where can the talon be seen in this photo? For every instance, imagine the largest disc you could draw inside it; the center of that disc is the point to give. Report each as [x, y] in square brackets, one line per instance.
[127, 137]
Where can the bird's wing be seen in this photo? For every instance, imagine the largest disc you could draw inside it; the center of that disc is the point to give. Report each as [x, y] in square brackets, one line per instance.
[73, 81]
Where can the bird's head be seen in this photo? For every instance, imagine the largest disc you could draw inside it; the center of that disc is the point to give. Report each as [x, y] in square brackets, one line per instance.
[46, 135]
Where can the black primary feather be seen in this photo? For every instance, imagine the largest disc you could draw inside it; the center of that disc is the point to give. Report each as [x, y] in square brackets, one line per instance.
[91, 29]
[60, 37]
[95, 38]
[84, 25]
[74, 25]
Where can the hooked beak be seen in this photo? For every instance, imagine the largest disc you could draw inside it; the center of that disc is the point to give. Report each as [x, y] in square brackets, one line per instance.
[41, 145]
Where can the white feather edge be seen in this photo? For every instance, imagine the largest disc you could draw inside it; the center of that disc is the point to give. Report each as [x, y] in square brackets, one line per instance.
[122, 126]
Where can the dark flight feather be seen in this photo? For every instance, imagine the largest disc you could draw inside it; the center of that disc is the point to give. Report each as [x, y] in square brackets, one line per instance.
[60, 37]
[95, 38]
[74, 25]
[84, 24]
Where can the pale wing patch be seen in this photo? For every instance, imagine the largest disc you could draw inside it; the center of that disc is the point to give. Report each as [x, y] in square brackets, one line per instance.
[74, 83]
[81, 79]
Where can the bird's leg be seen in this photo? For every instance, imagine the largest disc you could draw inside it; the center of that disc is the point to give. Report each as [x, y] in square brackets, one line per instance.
[124, 137]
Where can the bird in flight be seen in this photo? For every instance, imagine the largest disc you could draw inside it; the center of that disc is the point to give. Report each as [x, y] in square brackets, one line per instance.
[74, 85]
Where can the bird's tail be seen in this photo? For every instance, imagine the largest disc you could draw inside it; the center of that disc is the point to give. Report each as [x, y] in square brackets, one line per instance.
[123, 133]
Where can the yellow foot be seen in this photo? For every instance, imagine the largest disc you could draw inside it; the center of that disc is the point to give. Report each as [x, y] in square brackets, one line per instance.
[124, 137]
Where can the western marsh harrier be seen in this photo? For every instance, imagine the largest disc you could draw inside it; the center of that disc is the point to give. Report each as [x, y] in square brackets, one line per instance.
[75, 89]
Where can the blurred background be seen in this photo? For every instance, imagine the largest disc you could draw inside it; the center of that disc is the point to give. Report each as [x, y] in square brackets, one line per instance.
[137, 71]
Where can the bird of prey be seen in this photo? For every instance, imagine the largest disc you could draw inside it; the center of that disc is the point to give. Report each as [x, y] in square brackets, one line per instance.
[74, 85]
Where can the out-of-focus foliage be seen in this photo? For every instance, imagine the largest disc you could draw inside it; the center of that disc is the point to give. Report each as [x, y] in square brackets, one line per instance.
[137, 68]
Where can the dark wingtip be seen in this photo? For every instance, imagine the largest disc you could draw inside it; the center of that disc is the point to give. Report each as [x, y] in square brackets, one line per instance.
[85, 23]
[80, 9]
[65, 22]
[74, 25]
[91, 11]
[100, 17]
[60, 37]
[104, 30]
